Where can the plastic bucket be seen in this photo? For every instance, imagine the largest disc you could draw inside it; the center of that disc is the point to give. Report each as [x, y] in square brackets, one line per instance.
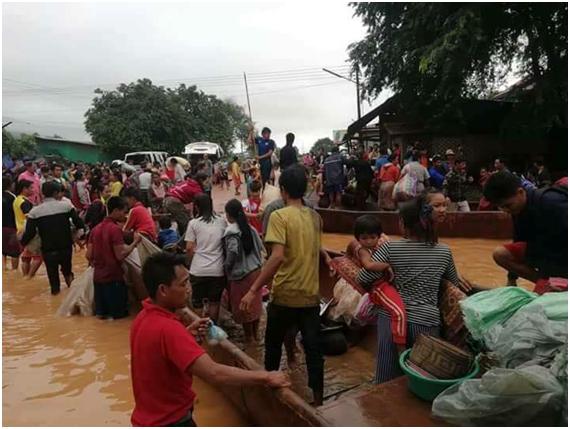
[426, 388]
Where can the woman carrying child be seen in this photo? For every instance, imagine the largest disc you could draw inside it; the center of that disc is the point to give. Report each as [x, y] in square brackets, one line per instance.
[242, 265]
[419, 264]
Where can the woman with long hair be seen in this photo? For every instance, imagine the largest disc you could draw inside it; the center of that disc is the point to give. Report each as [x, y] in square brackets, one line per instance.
[242, 265]
[420, 263]
[204, 248]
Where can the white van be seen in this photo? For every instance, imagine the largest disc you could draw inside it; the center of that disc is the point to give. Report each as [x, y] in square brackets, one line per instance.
[137, 158]
[195, 152]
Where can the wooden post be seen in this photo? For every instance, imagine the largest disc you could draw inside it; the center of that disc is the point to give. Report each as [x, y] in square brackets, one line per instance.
[358, 93]
[250, 136]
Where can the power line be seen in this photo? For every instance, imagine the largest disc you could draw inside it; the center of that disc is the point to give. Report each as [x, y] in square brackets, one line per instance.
[228, 80]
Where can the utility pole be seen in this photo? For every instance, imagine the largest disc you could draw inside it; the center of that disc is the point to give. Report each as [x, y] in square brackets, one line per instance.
[6, 124]
[357, 93]
[357, 82]
[248, 108]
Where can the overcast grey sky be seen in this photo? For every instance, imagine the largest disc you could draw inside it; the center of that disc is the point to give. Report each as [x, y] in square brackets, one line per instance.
[54, 55]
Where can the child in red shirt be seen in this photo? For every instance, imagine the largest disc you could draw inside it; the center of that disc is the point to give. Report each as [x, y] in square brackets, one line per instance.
[252, 206]
[368, 232]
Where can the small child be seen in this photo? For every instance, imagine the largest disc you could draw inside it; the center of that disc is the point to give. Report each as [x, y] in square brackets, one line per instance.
[368, 232]
[168, 237]
[252, 206]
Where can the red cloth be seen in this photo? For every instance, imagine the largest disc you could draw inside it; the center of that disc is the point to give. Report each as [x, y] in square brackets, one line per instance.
[517, 249]
[141, 221]
[384, 295]
[562, 182]
[185, 191]
[252, 206]
[389, 173]
[107, 268]
[484, 205]
[162, 350]
[238, 289]
[171, 174]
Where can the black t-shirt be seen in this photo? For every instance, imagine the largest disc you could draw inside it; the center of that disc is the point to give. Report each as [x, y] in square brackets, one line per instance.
[287, 157]
[543, 225]
[8, 217]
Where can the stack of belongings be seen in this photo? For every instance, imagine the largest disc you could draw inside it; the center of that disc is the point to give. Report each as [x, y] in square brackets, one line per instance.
[437, 359]
[525, 339]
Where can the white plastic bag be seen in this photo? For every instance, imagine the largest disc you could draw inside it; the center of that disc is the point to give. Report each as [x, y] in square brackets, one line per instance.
[347, 302]
[504, 397]
[270, 194]
[80, 297]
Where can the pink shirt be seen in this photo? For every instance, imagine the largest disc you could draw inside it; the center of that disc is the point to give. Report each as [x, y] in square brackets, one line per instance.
[36, 196]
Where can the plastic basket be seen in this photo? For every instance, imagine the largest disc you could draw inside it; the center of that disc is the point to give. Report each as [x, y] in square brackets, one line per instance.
[428, 389]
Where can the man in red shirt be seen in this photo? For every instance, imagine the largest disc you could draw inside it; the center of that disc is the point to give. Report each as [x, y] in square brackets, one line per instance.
[106, 250]
[139, 219]
[181, 194]
[165, 354]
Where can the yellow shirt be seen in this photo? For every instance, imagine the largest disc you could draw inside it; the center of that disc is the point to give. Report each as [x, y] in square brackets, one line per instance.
[20, 205]
[235, 169]
[296, 283]
[116, 188]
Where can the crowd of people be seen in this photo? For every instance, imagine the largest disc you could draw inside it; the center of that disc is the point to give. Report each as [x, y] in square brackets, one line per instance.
[249, 249]
[384, 177]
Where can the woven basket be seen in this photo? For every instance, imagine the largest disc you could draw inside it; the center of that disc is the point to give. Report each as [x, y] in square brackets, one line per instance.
[440, 358]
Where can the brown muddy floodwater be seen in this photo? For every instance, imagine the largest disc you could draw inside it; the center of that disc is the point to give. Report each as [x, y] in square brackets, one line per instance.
[75, 371]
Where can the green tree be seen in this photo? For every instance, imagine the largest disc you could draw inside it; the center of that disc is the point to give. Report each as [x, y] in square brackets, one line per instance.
[325, 144]
[142, 116]
[433, 55]
[24, 145]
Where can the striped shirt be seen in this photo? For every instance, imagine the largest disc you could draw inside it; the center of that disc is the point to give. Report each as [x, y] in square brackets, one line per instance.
[418, 271]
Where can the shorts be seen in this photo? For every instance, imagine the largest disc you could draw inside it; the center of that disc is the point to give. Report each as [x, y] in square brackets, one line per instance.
[28, 254]
[10, 244]
[333, 189]
[210, 288]
[517, 249]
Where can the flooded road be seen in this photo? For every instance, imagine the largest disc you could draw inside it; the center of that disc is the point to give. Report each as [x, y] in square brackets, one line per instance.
[75, 371]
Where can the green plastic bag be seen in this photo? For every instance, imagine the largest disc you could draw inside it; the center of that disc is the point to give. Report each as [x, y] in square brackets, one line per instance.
[555, 305]
[485, 309]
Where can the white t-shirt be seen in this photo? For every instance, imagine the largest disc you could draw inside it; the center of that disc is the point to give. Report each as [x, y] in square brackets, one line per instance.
[208, 260]
[145, 180]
